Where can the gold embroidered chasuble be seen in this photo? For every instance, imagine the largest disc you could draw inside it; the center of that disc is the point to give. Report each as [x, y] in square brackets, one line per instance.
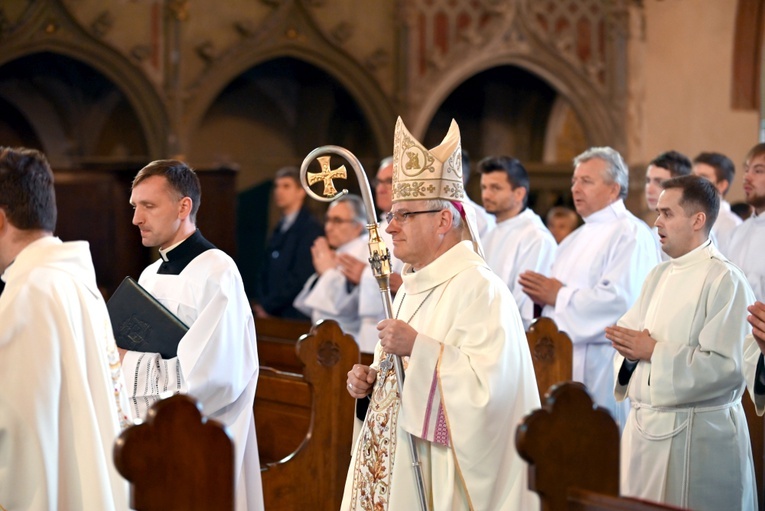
[468, 382]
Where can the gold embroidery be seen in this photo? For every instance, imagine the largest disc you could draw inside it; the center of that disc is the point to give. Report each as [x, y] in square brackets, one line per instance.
[377, 449]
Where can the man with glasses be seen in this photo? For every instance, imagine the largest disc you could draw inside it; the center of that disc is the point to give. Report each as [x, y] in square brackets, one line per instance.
[328, 293]
[359, 271]
[468, 369]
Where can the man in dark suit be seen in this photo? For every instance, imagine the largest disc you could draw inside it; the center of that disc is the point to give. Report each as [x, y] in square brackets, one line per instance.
[287, 263]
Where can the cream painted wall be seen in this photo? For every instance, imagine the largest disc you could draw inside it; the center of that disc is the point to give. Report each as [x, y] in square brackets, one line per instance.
[686, 85]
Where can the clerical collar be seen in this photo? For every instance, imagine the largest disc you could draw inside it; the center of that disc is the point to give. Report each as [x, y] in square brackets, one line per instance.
[177, 257]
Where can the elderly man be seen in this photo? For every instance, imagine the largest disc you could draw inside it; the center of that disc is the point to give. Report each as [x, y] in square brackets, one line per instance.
[469, 376]
[598, 271]
[747, 244]
[329, 293]
[360, 272]
[680, 352]
[520, 241]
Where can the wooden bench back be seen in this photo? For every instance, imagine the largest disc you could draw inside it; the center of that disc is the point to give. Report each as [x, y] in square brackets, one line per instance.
[572, 447]
[313, 475]
[277, 340]
[551, 353]
[177, 459]
[569, 443]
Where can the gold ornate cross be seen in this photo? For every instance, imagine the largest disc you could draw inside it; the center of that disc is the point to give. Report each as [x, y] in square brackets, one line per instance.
[327, 175]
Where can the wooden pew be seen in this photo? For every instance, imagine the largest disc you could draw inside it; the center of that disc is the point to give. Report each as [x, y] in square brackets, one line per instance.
[312, 476]
[277, 338]
[551, 353]
[177, 459]
[572, 448]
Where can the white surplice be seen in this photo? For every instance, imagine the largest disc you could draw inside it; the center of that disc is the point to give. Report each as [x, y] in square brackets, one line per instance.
[747, 250]
[62, 403]
[726, 223]
[518, 244]
[686, 441]
[469, 381]
[331, 296]
[602, 266]
[371, 310]
[217, 360]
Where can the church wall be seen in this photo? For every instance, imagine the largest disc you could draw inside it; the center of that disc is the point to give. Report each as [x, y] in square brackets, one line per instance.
[685, 73]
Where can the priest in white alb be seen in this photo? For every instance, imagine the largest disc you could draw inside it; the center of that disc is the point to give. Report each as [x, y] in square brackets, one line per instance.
[680, 356]
[598, 271]
[468, 372]
[747, 243]
[217, 361]
[62, 400]
[520, 241]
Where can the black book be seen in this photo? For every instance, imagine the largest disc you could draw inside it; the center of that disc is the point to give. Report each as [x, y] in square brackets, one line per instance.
[141, 323]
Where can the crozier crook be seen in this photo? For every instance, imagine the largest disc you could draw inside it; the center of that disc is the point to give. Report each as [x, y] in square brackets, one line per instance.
[379, 255]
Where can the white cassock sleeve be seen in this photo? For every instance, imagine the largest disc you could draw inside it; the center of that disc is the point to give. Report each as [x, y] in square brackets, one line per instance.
[708, 364]
[584, 312]
[217, 358]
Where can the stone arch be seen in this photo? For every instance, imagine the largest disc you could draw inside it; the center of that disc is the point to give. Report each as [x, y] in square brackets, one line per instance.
[140, 94]
[599, 126]
[376, 108]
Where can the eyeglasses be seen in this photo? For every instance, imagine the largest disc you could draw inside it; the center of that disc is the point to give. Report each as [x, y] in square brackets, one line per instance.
[336, 220]
[402, 216]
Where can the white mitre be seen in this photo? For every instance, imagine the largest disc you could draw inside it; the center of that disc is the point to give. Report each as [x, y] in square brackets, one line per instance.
[422, 174]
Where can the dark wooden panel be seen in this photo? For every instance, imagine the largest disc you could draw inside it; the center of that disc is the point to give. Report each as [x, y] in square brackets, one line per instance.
[94, 206]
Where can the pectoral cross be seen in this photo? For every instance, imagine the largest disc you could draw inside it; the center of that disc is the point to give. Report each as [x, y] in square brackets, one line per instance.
[327, 175]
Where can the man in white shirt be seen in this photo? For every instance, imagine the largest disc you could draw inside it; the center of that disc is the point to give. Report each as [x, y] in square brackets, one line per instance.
[217, 360]
[747, 244]
[329, 293]
[62, 401]
[680, 353]
[520, 241]
[719, 170]
[598, 271]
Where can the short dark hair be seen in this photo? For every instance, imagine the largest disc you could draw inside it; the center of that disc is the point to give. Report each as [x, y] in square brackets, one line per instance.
[289, 172]
[181, 178]
[513, 169]
[676, 163]
[698, 194]
[724, 167]
[26, 189]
